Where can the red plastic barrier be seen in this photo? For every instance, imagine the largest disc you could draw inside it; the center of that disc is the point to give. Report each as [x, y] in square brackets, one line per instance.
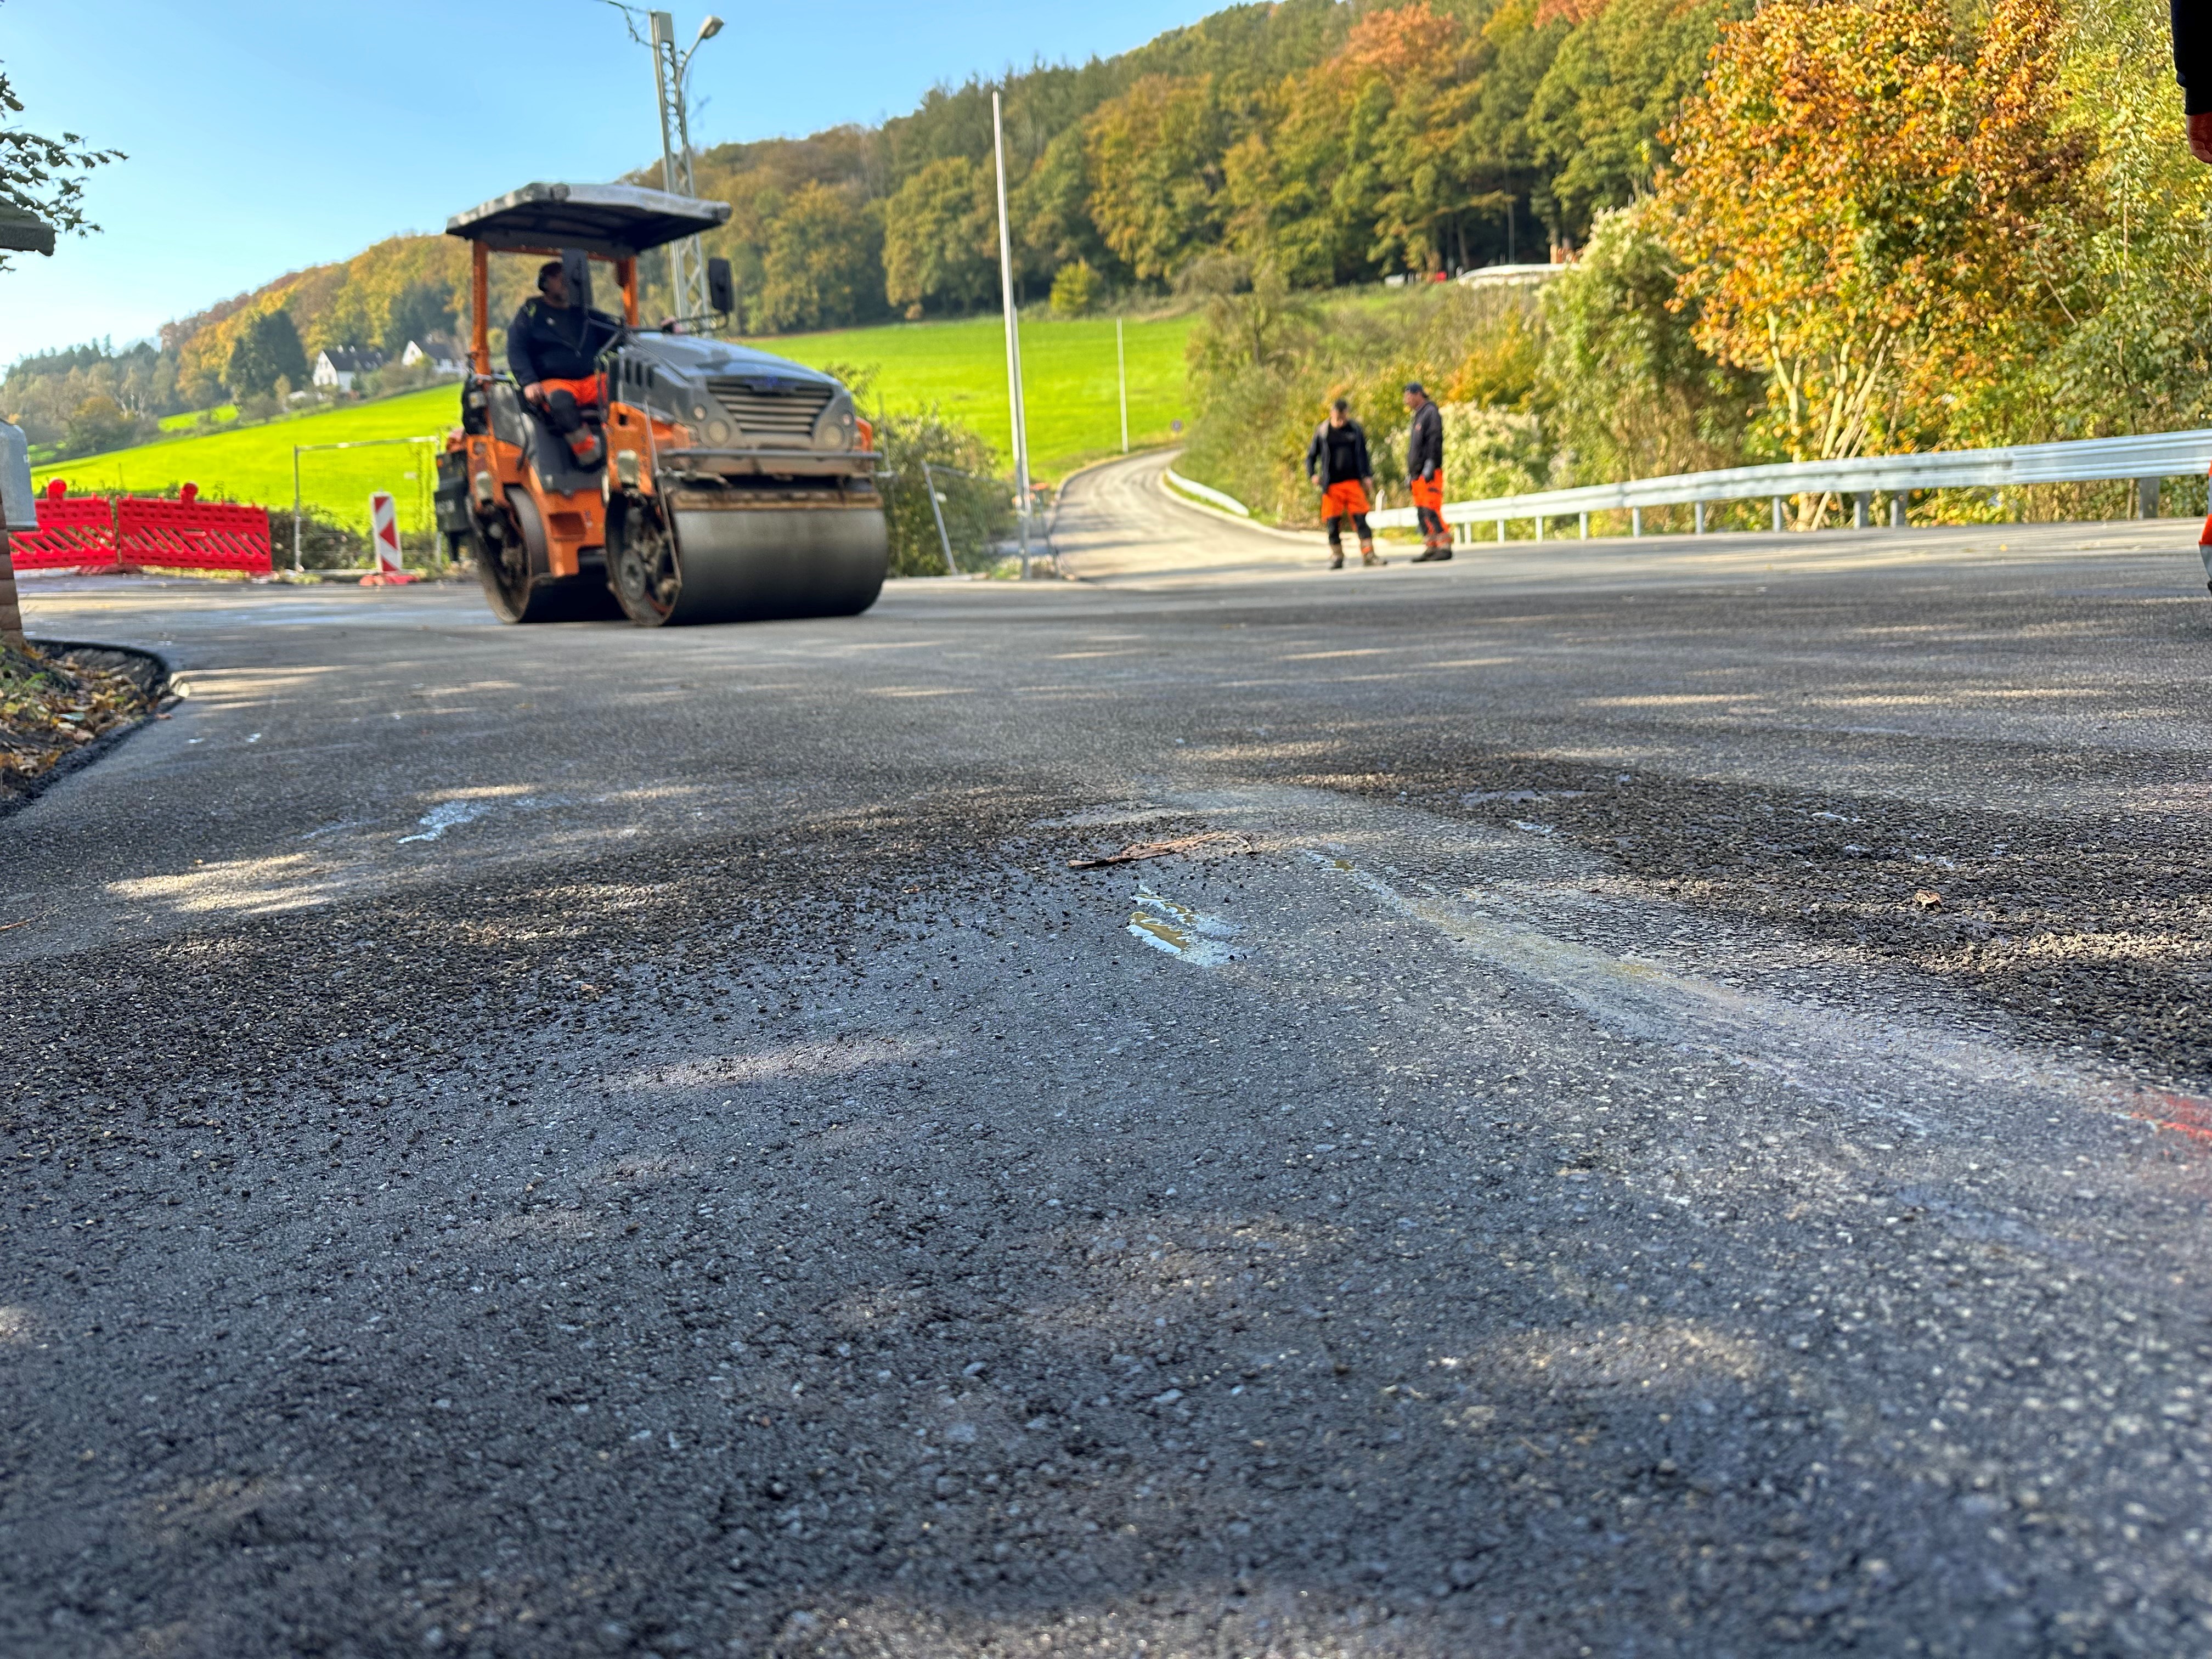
[74, 532]
[94, 533]
[191, 535]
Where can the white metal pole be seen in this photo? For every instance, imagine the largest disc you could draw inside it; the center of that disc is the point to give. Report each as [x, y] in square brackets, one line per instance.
[1122, 374]
[952, 568]
[686, 277]
[1014, 336]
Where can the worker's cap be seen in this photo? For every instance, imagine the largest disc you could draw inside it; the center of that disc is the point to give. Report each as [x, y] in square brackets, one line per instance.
[1415, 386]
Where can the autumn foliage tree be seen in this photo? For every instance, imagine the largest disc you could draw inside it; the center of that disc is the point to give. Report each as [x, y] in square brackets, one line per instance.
[1155, 153]
[1366, 160]
[940, 238]
[1857, 198]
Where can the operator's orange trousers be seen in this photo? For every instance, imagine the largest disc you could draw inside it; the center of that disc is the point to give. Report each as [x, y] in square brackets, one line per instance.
[585, 390]
[1430, 493]
[1344, 500]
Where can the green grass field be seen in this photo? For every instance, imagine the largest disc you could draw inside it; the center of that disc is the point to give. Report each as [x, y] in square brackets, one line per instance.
[1067, 376]
[221, 416]
[1067, 379]
[254, 463]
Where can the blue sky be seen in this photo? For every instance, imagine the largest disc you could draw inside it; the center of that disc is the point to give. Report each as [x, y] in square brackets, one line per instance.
[263, 136]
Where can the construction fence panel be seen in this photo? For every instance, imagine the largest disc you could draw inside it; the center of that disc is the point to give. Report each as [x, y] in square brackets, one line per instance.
[75, 532]
[192, 535]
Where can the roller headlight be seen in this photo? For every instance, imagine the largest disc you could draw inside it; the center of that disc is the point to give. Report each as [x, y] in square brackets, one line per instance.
[718, 432]
[835, 431]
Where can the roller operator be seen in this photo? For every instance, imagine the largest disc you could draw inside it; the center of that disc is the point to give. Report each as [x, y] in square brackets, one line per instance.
[553, 340]
[552, 349]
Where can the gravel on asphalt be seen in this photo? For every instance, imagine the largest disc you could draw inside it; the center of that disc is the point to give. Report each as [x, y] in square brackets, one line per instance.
[609, 1152]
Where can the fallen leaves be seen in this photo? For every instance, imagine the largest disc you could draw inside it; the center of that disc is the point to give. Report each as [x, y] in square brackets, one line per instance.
[50, 705]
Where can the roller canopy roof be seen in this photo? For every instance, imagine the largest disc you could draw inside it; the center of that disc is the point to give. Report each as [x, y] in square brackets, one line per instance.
[616, 221]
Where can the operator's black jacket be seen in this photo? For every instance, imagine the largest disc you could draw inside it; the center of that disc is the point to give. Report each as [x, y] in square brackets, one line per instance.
[543, 344]
[1337, 455]
[2192, 55]
[1424, 443]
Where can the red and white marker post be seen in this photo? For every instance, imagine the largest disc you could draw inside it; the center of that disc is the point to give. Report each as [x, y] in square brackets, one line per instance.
[383, 533]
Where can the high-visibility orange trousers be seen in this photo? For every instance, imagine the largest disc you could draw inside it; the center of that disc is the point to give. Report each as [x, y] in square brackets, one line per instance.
[585, 390]
[1347, 499]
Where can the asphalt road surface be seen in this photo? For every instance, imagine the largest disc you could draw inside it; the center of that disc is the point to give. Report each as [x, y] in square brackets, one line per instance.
[1657, 1109]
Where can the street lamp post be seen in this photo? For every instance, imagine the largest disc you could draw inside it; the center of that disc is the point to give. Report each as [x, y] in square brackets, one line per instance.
[687, 259]
[1013, 338]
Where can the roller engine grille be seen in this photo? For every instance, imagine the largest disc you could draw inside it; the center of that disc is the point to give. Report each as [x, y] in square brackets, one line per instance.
[765, 410]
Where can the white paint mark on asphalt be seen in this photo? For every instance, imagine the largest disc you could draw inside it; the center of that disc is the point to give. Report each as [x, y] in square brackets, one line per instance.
[447, 815]
[1102, 816]
[1179, 930]
[794, 1060]
[1519, 797]
[1828, 1051]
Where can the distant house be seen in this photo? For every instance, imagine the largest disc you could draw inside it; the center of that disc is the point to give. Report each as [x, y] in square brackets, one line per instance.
[1511, 275]
[335, 368]
[441, 351]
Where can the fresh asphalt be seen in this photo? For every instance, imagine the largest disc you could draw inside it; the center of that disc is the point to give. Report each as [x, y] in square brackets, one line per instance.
[1663, 1116]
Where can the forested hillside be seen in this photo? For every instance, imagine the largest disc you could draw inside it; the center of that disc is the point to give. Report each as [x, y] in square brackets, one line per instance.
[1338, 140]
[1336, 143]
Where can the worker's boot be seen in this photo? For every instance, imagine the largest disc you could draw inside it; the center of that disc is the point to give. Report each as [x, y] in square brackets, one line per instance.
[1335, 556]
[1367, 554]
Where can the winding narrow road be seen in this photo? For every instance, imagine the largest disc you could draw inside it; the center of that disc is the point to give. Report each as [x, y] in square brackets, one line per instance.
[1645, 1098]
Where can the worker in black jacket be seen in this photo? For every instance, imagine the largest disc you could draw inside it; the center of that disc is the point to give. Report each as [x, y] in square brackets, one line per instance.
[1425, 473]
[2192, 65]
[553, 348]
[552, 344]
[1337, 462]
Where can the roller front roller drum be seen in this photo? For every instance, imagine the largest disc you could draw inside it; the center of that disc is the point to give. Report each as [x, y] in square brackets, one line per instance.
[750, 563]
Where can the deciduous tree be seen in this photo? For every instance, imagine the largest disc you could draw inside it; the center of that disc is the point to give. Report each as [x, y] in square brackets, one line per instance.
[45, 177]
[1857, 198]
[1154, 159]
[1615, 85]
[940, 238]
[824, 262]
[419, 311]
[268, 350]
[1630, 393]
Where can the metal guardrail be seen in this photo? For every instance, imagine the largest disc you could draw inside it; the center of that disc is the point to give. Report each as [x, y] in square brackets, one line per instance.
[2147, 459]
[1227, 503]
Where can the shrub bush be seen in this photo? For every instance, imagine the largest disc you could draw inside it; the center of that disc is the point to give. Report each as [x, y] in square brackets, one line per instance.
[1075, 290]
[977, 506]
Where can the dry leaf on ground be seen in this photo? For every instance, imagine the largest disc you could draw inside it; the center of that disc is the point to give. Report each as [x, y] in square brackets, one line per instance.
[1212, 841]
